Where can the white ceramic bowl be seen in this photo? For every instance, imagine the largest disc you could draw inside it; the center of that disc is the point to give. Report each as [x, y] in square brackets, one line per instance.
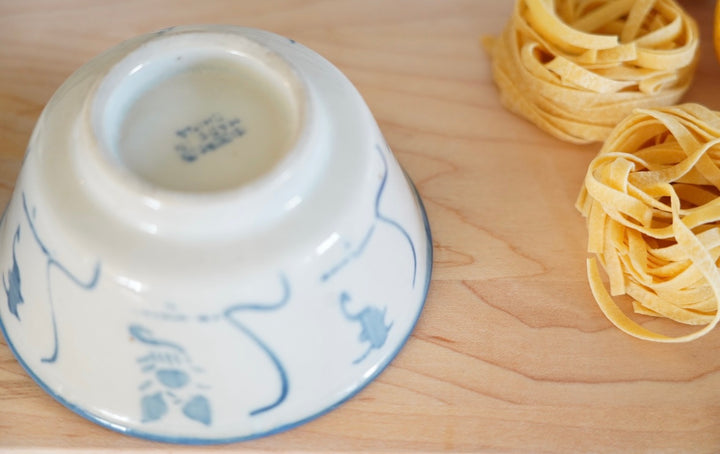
[209, 239]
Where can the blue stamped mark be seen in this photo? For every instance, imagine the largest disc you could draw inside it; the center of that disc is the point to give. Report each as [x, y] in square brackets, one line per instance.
[156, 404]
[171, 380]
[206, 136]
[12, 282]
[372, 320]
[380, 217]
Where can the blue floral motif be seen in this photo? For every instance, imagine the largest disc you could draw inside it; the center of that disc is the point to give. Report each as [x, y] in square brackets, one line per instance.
[153, 407]
[173, 378]
[170, 372]
[198, 408]
[170, 379]
[380, 217]
[12, 282]
[372, 320]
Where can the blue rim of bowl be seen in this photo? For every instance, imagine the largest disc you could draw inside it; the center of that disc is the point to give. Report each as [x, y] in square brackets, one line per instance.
[276, 430]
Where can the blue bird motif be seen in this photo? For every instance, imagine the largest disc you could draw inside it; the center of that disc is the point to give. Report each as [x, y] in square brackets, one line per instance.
[12, 283]
[372, 320]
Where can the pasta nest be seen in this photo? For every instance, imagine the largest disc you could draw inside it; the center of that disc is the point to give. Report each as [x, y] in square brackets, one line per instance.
[652, 201]
[576, 68]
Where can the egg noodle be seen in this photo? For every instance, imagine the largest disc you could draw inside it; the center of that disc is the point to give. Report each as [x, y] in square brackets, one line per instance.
[576, 68]
[651, 201]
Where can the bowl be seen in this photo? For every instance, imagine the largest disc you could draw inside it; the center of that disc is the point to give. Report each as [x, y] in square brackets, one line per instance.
[209, 239]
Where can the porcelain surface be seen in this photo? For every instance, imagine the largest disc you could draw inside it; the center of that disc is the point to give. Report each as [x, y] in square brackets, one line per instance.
[209, 240]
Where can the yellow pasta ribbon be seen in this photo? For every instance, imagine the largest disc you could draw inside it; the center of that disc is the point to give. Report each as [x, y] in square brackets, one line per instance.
[576, 68]
[652, 202]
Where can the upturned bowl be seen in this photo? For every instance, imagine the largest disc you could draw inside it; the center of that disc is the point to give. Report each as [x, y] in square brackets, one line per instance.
[209, 239]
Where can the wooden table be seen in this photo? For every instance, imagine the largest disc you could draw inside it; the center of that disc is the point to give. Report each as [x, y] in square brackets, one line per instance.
[511, 352]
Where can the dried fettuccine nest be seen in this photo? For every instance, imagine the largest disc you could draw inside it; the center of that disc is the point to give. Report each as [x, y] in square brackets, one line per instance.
[576, 68]
[652, 201]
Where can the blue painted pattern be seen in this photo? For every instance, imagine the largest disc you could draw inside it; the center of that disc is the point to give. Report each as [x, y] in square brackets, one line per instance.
[170, 380]
[13, 284]
[372, 321]
[231, 315]
[169, 354]
[379, 217]
[374, 330]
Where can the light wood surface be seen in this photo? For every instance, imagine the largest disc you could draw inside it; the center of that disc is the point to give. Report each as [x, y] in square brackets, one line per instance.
[511, 353]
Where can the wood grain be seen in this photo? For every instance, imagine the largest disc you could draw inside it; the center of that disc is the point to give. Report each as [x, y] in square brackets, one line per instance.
[511, 353]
